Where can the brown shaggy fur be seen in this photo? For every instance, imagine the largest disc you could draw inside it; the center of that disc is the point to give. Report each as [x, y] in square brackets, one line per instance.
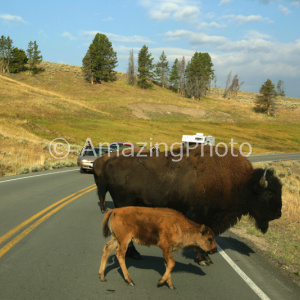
[162, 227]
[99, 162]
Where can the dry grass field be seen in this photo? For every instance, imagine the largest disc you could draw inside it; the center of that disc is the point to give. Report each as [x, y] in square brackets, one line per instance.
[58, 103]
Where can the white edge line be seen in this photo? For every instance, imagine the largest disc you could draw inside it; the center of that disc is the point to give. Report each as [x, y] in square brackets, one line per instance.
[250, 283]
[36, 176]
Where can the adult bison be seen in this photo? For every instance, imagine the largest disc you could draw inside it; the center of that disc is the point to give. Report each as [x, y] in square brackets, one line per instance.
[208, 187]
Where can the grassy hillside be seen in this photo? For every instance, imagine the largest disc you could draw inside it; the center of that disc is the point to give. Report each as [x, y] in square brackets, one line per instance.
[58, 103]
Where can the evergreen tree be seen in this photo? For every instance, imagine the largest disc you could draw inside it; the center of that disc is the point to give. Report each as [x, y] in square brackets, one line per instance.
[100, 60]
[34, 57]
[145, 67]
[162, 69]
[18, 61]
[199, 74]
[131, 70]
[6, 49]
[87, 67]
[175, 76]
[266, 101]
[182, 75]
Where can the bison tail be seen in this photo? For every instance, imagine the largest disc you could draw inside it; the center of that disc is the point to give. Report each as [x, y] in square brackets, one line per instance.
[105, 227]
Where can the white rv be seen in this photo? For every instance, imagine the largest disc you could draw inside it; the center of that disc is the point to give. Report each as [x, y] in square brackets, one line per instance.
[198, 138]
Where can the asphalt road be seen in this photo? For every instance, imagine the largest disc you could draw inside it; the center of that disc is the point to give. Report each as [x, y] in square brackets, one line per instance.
[275, 157]
[51, 245]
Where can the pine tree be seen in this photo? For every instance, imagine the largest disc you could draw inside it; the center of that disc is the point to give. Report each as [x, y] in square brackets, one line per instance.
[175, 76]
[18, 61]
[6, 49]
[131, 69]
[162, 70]
[100, 60]
[266, 101]
[145, 67]
[34, 57]
[182, 75]
[199, 74]
[87, 67]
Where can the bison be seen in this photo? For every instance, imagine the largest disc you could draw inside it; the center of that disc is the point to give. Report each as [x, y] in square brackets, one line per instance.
[162, 227]
[206, 185]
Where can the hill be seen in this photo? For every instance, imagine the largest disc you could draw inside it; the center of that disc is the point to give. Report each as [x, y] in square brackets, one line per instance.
[58, 103]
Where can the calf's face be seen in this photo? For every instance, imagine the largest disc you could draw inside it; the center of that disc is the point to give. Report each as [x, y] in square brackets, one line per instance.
[208, 240]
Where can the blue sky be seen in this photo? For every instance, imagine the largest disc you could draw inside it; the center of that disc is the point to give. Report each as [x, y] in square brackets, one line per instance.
[256, 39]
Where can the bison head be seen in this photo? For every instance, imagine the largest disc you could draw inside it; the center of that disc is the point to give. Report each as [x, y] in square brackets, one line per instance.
[266, 189]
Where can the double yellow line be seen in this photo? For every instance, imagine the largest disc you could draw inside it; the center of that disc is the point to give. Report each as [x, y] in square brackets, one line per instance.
[52, 210]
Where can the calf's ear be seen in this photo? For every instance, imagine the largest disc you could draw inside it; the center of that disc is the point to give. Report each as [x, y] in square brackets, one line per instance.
[204, 230]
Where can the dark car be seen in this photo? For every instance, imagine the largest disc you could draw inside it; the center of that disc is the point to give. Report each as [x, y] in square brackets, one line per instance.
[86, 158]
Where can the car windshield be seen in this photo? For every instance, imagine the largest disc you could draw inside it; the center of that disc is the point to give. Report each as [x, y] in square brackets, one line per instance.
[89, 152]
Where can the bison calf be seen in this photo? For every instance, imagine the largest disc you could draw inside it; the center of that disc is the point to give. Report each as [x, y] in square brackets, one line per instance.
[163, 227]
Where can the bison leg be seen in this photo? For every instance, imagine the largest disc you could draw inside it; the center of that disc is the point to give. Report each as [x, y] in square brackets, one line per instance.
[101, 195]
[202, 258]
[107, 249]
[120, 253]
[169, 263]
[101, 191]
[132, 252]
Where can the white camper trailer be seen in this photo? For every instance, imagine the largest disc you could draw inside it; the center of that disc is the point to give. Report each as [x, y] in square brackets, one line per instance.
[198, 138]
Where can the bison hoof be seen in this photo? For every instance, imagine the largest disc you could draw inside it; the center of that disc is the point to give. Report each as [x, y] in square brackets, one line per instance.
[103, 280]
[104, 210]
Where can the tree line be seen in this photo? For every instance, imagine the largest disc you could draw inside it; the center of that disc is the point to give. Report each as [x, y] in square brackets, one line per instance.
[191, 79]
[15, 60]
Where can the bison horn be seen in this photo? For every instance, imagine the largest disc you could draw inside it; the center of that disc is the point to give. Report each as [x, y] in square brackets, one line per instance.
[263, 182]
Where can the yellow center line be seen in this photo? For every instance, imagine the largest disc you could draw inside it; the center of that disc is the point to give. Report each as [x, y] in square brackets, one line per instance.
[23, 224]
[9, 245]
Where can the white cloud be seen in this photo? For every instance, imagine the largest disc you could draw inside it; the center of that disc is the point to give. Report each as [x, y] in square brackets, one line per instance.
[296, 3]
[225, 2]
[240, 19]
[253, 34]
[116, 38]
[179, 10]
[68, 36]
[284, 10]
[107, 19]
[204, 25]
[196, 38]
[10, 18]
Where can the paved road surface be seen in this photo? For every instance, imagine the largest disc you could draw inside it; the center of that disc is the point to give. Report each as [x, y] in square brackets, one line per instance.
[51, 245]
[275, 157]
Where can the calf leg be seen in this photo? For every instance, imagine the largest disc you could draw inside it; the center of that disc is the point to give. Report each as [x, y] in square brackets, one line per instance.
[107, 249]
[120, 253]
[170, 263]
